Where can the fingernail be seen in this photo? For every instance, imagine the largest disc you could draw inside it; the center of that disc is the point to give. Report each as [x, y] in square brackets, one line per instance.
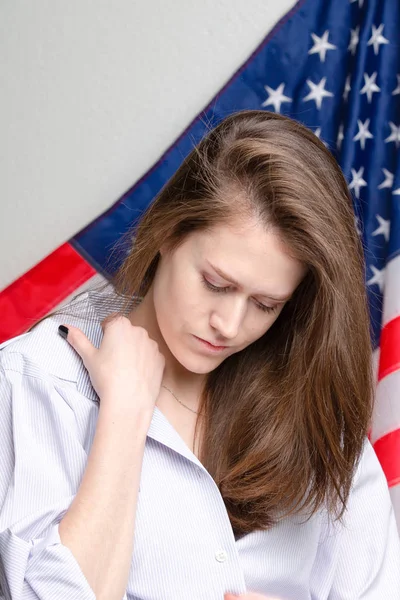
[63, 331]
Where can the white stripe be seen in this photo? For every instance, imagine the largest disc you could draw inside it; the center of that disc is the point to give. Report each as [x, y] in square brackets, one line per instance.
[386, 414]
[375, 363]
[395, 496]
[391, 302]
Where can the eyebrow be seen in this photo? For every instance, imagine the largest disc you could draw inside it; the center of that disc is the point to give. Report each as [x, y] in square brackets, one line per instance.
[237, 284]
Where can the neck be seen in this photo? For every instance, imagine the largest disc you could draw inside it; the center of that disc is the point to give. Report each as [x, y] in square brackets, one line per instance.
[185, 384]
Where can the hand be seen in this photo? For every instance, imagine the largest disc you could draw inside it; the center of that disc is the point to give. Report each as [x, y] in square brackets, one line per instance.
[127, 368]
[249, 596]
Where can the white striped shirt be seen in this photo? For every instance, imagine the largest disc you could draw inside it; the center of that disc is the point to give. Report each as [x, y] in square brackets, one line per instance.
[184, 546]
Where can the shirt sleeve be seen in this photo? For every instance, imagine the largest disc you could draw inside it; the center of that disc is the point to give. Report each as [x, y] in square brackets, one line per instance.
[41, 465]
[368, 563]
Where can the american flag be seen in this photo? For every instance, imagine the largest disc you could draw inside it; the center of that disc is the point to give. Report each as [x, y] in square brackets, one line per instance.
[335, 66]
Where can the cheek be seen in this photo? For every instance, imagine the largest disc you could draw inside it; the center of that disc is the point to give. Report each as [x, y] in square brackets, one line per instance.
[166, 308]
[258, 327]
[180, 312]
[183, 290]
[192, 300]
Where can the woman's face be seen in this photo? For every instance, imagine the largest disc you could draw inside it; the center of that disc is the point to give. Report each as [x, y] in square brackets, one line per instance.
[192, 299]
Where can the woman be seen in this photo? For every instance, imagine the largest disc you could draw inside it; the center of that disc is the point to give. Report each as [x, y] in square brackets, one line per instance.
[201, 431]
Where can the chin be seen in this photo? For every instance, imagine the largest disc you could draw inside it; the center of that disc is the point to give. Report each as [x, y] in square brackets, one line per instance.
[198, 366]
[194, 363]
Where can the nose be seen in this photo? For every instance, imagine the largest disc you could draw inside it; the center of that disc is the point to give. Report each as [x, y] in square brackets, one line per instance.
[227, 318]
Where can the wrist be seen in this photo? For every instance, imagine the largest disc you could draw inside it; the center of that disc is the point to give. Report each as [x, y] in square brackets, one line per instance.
[125, 412]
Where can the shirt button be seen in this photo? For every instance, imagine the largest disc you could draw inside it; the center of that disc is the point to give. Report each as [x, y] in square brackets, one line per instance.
[221, 556]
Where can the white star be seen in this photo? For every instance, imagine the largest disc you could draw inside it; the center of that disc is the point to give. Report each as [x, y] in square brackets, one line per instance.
[384, 228]
[340, 136]
[378, 277]
[370, 86]
[377, 38]
[357, 181]
[317, 132]
[318, 92]
[388, 182]
[363, 133]
[395, 135]
[396, 192]
[347, 88]
[276, 97]
[354, 40]
[321, 45]
[360, 2]
[397, 90]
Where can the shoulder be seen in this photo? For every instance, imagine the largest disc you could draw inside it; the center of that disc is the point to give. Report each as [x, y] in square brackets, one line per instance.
[358, 556]
[369, 538]
[369, 480]
[46, 425]
[369, 505]
[43, 354]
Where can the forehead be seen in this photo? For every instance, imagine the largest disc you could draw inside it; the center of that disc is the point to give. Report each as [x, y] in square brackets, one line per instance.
[254, 256]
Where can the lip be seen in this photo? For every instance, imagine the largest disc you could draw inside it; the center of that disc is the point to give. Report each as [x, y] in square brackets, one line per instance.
[209, 346]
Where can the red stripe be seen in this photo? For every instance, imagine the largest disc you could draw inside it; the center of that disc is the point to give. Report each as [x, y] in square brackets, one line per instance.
[40, 289]
[389, 358]
[387, 449]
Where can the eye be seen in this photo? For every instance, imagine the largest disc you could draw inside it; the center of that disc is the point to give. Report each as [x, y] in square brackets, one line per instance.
[214, 288]
[224, 290]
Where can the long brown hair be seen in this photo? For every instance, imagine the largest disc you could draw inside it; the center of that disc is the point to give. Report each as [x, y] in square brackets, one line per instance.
[285, 419]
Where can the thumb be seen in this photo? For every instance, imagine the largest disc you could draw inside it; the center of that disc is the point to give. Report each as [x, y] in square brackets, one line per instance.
[78, 340]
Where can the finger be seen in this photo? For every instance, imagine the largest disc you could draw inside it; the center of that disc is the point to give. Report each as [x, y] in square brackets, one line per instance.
[78, 340]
